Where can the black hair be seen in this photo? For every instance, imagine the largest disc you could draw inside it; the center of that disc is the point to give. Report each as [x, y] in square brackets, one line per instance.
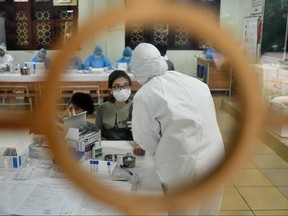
[162, 49]
[83, 101]
[115, 75]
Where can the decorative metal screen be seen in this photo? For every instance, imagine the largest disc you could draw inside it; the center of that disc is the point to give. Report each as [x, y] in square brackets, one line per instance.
[160, 35]
[35, 24]
[175, 37]
[43, 28]
[182, 36]
[137, 34]
[22, 28]
[66, 24]
[66, 15]
[43, 32]
[43, 15]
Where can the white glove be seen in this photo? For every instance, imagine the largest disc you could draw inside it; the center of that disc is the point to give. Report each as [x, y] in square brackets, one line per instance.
[3, 66]
[129, 125]
[106, 69]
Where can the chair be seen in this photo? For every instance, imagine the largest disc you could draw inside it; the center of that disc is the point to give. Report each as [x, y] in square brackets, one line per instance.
[10, 91]
[67, 88]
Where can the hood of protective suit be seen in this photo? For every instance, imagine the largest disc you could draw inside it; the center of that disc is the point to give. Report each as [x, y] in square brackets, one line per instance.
[147, 63]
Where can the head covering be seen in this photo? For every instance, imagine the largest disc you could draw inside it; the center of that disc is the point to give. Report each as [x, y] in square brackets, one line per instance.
[98, 50]
[42, 53]
[3, 47]
[127, 52]
[162, 49]
[147, 63]
[83, 101]
[117, 74]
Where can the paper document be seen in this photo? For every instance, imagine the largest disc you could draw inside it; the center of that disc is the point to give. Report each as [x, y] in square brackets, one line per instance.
[75, 121]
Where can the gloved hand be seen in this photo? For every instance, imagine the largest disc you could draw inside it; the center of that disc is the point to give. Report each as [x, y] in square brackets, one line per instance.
[106, 69]
[3, 67]
[90, 68]
[129, 125]
[138, 150]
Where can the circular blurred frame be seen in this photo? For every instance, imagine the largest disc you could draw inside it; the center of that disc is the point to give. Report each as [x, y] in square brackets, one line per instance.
[191, 17]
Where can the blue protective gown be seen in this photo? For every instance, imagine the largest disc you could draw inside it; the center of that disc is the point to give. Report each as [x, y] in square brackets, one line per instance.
[46, 61]
[93, 62]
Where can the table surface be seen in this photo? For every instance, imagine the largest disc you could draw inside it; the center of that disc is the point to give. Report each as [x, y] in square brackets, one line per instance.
[42, 194]
[72, 76]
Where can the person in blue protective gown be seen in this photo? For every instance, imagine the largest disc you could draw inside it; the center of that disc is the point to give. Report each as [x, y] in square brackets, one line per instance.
[76, 63]
[126, 58]
[41, 57]
[97, 60]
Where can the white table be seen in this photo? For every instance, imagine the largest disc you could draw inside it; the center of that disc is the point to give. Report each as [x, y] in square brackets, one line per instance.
[41, 194]
[33, 84]
[79, 76]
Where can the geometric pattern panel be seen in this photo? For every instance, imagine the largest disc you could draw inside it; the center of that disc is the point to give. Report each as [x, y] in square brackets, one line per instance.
[211, 15]
[43, 15]
[66, 30]
[137, 34]
[21, 16]
[160, 34]
[65, 15]
[182, 36]
[43, 32]
[22, 36]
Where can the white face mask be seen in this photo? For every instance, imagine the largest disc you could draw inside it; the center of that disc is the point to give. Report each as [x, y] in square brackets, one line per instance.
[122, 95]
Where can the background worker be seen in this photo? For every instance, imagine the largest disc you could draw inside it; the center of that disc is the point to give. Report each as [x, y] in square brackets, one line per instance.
[174, 120]
[75, 63]
[6, 60]
[126, 57]
[114, 116]
[41, 57]
[97, 60]
[163, 50]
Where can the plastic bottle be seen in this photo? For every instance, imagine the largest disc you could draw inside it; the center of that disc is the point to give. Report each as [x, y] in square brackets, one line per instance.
[6, 165]
[97, 150]
[108, 166]
[96, 166]
[91, 166]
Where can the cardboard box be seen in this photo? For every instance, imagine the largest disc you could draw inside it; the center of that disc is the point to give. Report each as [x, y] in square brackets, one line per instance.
[13, 147]
[83, 140]
[37, 68]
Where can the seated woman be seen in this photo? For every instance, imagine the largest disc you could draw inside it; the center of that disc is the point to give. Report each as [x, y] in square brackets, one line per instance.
[114, 117]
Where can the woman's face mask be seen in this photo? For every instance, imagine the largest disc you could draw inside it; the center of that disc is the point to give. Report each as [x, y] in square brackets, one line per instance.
[97, 57]
[122, 95]
[127, 58]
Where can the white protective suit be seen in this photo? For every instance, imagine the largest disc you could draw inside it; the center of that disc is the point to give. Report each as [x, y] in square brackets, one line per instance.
[6, 59]
[174, 119]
